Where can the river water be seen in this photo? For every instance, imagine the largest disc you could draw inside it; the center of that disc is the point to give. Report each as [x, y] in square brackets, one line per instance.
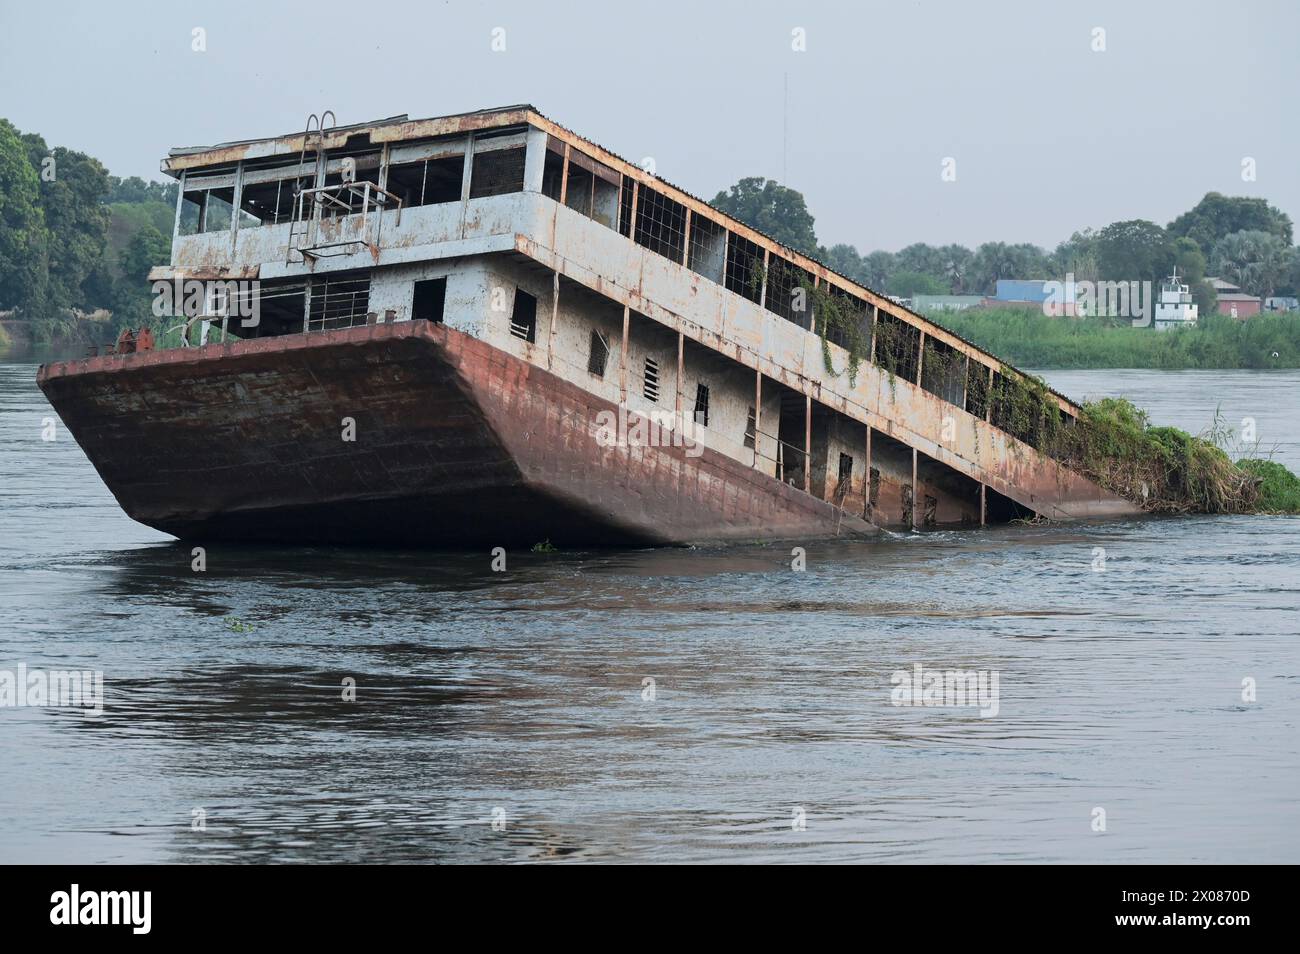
[508, 717]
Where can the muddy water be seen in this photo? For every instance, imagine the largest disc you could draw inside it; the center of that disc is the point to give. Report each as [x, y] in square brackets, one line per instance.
[768, 733]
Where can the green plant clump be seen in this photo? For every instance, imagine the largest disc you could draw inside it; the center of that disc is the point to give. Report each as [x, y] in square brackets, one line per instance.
[1162, 469]
[1167, 470]
[1277, 490]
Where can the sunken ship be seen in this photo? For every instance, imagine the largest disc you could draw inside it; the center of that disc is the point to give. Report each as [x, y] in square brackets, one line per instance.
[484, 329]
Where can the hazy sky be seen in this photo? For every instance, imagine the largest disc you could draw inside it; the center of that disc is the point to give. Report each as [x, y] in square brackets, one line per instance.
[1048, 135]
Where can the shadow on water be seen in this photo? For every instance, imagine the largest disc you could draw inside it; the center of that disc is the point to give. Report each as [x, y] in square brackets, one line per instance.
[757, 577]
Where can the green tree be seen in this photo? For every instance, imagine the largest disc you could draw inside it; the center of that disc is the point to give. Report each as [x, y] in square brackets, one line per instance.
[948, 265]
[77, 221]
[1189, 260]
[1134, 250]
[906, 284]
[24, 240]
[135, 190]
[773, 209]
[845, 260]
[72, 186]
[1257, 261]
[132, 300]
[998, 260]
[1293, 273]
[1217, 215]
[919, 257]
[876, 269]
[125, 220]
[1206, 298]
[955, 263]
[1077, 256]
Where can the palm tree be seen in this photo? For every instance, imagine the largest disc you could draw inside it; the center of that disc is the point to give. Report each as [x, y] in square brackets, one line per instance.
[1255, 260]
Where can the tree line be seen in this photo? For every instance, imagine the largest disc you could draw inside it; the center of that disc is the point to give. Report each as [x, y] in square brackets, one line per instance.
[75, 240]
[1243, 240]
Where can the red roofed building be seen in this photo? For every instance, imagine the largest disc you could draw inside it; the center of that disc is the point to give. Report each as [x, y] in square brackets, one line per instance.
[1232, 301]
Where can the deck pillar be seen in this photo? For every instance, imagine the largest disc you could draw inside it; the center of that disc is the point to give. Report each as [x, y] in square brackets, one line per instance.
[681, 370]
[622, 356]
[913, 488]
[866, 485]
[555, 312]
[236, 203]
[564, 177]
[807, 444]
[874, 315]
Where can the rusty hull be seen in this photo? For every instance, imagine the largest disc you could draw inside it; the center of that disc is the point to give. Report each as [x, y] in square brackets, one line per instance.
[457, 444]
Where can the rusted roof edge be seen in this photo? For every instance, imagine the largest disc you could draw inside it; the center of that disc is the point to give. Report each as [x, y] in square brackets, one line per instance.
[392, 129]
[399, 128]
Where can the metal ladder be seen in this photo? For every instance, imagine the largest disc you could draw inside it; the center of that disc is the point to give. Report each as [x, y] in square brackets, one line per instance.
[302, 222]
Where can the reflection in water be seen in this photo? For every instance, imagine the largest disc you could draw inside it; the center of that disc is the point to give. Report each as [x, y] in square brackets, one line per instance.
[521, 698]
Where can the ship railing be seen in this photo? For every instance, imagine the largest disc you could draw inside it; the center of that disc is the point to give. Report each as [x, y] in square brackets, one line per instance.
[335, 219]
[789, 461]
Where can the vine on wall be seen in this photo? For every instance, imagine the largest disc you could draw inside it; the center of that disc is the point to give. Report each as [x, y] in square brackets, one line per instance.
[1162, 469]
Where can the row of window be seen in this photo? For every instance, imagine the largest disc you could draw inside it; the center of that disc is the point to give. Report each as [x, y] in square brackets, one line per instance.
[269, 192]
[660, 224]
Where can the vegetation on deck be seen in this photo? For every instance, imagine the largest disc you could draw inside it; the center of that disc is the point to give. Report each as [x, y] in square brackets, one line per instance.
[1162, 469]
[1112, 442]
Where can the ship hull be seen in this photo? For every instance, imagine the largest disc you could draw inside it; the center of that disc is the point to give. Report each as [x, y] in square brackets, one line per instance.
[408, 434]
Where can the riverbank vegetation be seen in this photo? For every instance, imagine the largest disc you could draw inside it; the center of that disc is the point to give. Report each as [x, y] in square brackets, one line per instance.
[1028, 338]
[76, 244]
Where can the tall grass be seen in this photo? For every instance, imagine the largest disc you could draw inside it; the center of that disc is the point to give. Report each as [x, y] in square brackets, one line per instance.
[1027, 337]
